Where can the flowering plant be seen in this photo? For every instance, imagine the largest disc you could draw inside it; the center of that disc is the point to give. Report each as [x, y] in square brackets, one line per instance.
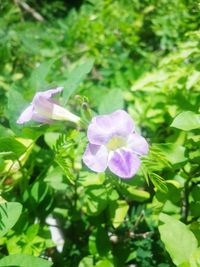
[45, 109]
[114, 143]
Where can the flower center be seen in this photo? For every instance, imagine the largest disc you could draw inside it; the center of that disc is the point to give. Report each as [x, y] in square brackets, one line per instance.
[115, 142]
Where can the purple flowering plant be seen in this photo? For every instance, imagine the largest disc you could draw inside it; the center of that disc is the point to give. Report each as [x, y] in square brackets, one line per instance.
[113, 143]
[45, 109]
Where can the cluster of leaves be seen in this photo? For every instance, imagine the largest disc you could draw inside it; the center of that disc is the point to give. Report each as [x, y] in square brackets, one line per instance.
[146, 59]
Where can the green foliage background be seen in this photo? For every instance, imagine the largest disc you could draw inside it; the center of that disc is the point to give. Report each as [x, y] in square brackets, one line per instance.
[143, 56]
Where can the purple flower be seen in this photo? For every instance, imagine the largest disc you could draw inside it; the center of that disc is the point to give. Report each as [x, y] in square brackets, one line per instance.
[113, 143]
[44, 109]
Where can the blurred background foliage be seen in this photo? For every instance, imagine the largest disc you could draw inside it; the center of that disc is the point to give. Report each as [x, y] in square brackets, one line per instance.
[147, 60]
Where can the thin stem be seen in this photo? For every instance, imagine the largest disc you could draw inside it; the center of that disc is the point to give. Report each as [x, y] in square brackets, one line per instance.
[186, 200]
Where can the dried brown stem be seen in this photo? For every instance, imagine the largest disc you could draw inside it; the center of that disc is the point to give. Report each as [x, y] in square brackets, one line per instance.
[30, 10]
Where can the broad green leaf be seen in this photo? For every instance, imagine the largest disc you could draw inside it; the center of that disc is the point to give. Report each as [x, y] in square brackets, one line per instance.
[113, 194]
[111, 102]
[10, 144]
[86, 262]
[104, 263]
[38, 77]
[14, 165]
[174, 153]
[192, 79]
[195, 208]
[173, 192]
[102, 242]
[92, 245]
[118, 211]
[23, 260]
[75, 78]
[9, 214]
[135, 194]
[32, 232]
[195, 259]
[196, 192]
[51, 138]
[55, 179]
[170, 208]
[179, 241]
[88, 178]
[39, 191]
[5, 132]
[186, 121]
[95, 200]
[99, 242]
[16, 104]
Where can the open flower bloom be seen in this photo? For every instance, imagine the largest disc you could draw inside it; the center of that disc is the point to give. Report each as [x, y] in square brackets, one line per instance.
[113, 143]
[44, 109]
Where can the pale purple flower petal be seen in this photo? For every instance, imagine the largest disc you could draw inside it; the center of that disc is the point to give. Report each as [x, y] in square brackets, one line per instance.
[96, 157]
[138, 144]
[26, 115]
[60, 113]
[124, 163]
[49, 93]
[42, 101]
[41, 119]
[42, 105]
[114, 144]
[45, 109]
[102, 128]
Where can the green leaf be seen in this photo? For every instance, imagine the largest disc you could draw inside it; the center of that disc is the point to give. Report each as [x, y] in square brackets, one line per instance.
[179, 241]
[9, 214]
[111, 102]
[32, 232]
[196, 192]
[23, 260]
[173, 192]
[9, 144]
[135, 194]
[5, 132]
[16, 104]
[38, 76]
[195, 259]
[102, 241]
[104, 263]
[55, 179]
[186, 121]
[88, 178]
[158, 182]
[39, 191]
[75, 78]
[95, 200]
[195, 208]
[99, 243]
[174, 153]
[118, 211]
[86, 262]
[51, 138]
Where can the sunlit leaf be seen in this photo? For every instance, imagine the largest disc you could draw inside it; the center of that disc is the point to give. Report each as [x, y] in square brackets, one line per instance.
[179, 241]
[186, 121]
[9, 214]
[118, 211]
[111, 102]
[75, 78]
[23, 260]
[38, 77]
